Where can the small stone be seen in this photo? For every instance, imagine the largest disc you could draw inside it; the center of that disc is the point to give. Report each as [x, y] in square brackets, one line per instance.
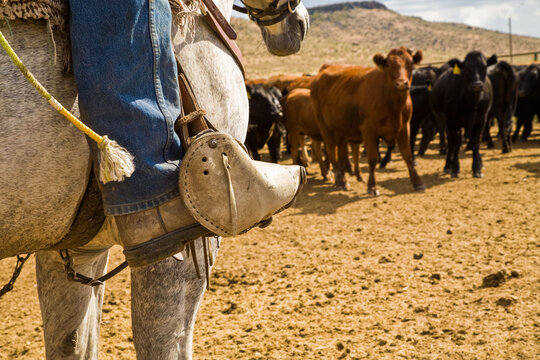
[382, 342]
[449, 232]
[340, 346]
[514, 274]
[494, 280]
[435, 276]
[418, 256]
[506, 301]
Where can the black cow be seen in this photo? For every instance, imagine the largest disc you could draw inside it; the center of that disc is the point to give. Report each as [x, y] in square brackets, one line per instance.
[265, 126]
[528, 103]
[461, 98]
[504, 80]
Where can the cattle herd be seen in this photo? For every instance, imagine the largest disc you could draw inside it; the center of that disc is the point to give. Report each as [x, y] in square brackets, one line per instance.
[344, 106]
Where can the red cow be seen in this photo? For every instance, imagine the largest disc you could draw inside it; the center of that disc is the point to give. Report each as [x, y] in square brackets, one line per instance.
[359, 104]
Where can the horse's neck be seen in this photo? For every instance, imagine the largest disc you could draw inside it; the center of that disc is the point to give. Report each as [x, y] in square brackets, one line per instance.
[213, 73]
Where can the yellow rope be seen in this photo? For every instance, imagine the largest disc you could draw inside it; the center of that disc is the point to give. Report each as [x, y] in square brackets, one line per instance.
[54, 103]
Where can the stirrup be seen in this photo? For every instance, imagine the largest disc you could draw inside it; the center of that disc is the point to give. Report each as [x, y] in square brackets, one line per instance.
[228, 192]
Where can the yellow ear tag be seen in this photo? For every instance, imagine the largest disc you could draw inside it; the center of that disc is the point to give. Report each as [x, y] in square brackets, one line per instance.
[248, 95]
[456, 71]
[429, 87]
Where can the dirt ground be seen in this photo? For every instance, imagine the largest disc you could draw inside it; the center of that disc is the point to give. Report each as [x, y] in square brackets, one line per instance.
[343, 275]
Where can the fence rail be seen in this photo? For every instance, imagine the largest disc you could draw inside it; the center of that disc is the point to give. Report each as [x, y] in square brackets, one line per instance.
[535, 54]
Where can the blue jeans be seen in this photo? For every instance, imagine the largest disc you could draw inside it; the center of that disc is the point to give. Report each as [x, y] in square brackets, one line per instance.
[126, 76]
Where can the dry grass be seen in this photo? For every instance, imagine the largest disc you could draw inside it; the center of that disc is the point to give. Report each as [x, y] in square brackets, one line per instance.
[354, 36]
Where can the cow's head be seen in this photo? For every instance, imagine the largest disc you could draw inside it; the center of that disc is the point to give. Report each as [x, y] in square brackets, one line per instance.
[473, 69]
[399, 64]
[264, 111]
[529, 80]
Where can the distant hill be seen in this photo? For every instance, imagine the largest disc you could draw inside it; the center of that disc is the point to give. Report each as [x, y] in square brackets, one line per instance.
[352, 33]
[369, 5]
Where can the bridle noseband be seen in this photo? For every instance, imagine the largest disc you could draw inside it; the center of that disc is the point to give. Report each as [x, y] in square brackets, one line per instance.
[277, 13]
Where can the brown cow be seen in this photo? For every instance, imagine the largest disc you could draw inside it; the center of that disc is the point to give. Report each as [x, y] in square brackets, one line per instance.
[300, 120]
[361, 104]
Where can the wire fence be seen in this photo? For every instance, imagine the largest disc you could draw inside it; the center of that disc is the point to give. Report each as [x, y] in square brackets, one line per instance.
[517, 59]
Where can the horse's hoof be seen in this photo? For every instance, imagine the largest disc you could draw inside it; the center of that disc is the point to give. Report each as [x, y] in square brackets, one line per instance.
[420, 188]
[454, 175]
[478, 174]
[373, 192]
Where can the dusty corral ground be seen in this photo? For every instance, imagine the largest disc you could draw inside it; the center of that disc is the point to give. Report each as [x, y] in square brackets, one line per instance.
[346, 276]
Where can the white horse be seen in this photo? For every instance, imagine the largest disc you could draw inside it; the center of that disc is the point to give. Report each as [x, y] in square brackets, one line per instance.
[44, 171]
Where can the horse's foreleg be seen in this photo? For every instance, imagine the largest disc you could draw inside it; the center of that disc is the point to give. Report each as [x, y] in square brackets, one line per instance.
[71, 312]
[165, 298]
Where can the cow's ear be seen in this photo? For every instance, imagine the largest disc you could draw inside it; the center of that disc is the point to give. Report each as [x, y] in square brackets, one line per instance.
[492, 60]
[456, 66]
[418, 56]
[379, 60]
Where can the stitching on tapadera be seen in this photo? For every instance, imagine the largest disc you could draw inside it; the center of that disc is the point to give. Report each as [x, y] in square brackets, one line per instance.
[187, 188]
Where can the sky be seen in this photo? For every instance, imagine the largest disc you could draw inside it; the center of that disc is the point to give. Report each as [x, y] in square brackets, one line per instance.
[489, 14]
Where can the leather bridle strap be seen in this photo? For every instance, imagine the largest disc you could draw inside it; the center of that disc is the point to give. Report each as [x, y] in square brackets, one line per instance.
[223, 29]
[277, 13]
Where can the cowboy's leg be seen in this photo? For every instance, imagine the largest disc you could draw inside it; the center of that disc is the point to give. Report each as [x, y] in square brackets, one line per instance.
[127, 80]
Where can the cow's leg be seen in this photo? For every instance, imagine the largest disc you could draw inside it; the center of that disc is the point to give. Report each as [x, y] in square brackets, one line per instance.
[71, 311]
[316, 147]
[343, 160]
[355, 149]
[303, 150]
[505, 127]
[371, 145]
[406, 153]
[294, 144]
[476, 134]
[519, 124]
[274, 145]
[415, 127]
[440, 124]
[486, 134]
[165, 298]
[388, 156]
[428, 133]
[454, 143]
[527, 127]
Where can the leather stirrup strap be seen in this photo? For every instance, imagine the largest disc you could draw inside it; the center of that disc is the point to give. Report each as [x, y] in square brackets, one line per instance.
[223, 29]
[192, 120]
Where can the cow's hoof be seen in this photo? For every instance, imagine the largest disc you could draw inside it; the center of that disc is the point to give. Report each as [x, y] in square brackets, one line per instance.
[414, 162]
[478, 174]
[373, 192]
[420, 188]
[342, 186]
[491, 146]
[447, 171]
[454, 175]
[442, 152]
[505, 151]
[359, 179]
[383, 164]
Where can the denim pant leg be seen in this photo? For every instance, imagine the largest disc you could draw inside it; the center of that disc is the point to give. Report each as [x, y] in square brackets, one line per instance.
[126, 76]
